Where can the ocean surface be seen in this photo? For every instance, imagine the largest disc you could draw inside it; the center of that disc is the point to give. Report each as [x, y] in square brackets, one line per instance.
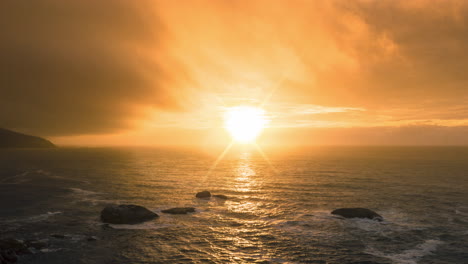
[278, 211]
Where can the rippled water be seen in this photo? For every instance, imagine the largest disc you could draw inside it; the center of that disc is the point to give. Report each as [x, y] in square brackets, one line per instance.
[278, 211]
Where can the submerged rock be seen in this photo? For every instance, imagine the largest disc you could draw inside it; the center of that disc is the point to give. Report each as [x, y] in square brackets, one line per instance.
[221, 196]
[204, 194]
[126, 214]
[357, 213]
[179, 210]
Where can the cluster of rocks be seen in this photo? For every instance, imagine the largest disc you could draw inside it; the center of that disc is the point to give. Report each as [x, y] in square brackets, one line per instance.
[11, 248]
[135, 214]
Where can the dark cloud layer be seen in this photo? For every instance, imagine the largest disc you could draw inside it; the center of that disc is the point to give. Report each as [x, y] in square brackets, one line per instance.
[71, 67]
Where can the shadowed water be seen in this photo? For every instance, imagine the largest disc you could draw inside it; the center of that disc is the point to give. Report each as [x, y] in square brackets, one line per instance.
[274, 215]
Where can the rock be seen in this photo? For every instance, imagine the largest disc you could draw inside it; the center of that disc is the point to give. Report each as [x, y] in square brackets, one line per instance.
[204, 194]
[92, 238]
[126, 214]
[36, 244]
[179, 210]
[220, 196]
[357, 213]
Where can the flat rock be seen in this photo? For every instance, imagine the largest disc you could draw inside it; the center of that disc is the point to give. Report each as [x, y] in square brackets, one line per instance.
[357, 213]
[204, 194]
[220, 196]
[179, 210]
[126, 214]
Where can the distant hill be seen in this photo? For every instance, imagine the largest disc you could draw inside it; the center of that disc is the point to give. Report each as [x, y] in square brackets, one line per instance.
[11, 139]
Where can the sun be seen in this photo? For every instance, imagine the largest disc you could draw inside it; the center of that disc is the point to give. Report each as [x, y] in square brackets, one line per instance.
[245, 123]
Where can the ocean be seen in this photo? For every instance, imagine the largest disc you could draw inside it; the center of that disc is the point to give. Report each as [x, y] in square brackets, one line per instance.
[278, 209]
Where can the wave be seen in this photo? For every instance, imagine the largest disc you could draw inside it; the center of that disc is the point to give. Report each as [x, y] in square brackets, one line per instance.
[21, 177]
[410, 256]
[15, 179]
[41, 217]
[16, 222]
[91, 197]
[83, 192]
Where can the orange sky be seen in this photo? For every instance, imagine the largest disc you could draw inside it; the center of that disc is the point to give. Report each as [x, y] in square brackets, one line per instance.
[163, 72]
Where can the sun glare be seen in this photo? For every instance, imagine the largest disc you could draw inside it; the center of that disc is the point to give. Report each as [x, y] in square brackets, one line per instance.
[245, 123]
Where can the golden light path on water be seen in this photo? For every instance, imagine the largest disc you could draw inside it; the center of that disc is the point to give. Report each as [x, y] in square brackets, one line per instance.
[246, 181]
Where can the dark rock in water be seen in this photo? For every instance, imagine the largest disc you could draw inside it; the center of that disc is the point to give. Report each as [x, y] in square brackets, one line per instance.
[11, 139]
[36, 244]
[204, 194]
[179, 210]
[357, 213]
[220, 196]
[92, 238]
[126, 214]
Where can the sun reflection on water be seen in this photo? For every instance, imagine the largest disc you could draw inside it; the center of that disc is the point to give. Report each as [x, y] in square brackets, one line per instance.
[245, 174]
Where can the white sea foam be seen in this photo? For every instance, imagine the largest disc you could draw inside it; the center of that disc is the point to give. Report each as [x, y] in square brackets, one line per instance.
[43, 172]
[41, 217]
[410, 256]
[15, 179]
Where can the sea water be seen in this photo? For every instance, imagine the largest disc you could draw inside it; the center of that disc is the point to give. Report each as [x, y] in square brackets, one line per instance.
[278, 209]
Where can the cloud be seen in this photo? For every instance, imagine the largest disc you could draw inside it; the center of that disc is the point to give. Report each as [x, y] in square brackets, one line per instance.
[410, 135]
[72, 67]
[378, 55]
